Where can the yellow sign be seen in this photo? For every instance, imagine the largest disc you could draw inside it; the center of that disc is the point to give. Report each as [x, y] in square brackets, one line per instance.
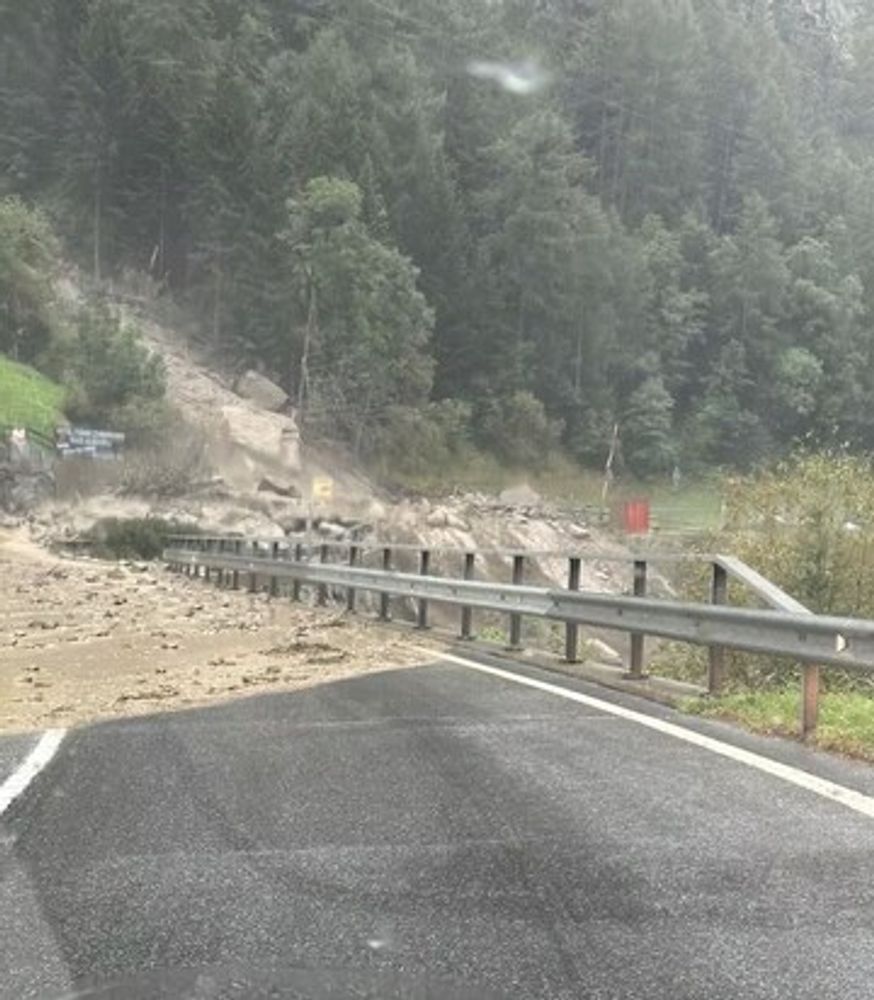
[323, 489]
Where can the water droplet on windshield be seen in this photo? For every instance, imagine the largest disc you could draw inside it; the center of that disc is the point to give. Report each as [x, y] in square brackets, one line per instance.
[516, 78]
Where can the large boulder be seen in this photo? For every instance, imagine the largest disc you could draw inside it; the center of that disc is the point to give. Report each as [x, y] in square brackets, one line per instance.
[258, 389]
[521, 495]
[264, 435]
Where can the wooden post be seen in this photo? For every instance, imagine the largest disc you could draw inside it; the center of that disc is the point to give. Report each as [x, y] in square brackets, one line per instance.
[571, 630]
[718, 595]
[274, 581]
[384, 607]
[238, 546]
[295, 586]
[515, 617]
[637, 638]
[424, 569]
[322, 599]
[809, 699]
[466, 611]
[253, 577]
[350, 591]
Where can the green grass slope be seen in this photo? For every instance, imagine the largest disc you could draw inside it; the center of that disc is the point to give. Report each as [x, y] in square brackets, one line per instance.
[28, 399]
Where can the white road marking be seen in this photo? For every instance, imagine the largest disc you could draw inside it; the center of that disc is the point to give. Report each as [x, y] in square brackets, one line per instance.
[35, 761]
[848, 797]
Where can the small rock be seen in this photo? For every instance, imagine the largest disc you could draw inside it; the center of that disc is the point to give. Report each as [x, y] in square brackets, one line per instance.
[330, 529]
[438, 518]
[454, 521]
[280, 489]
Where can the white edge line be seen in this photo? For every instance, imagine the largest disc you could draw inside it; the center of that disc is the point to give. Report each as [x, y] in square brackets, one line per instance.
[30, 767]
[848, 797]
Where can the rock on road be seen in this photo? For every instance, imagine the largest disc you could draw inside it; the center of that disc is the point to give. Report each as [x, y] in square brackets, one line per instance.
[435, 819]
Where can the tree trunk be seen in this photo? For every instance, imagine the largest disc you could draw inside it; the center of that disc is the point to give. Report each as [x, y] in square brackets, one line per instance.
[308, 334]
[217, 299]
[98, 221]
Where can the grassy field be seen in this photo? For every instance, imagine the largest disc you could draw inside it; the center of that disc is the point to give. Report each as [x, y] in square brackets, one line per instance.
[846, 719]
[695, 506]
[27, 398]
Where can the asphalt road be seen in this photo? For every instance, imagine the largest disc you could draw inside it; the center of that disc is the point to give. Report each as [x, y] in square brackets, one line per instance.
[435, 821]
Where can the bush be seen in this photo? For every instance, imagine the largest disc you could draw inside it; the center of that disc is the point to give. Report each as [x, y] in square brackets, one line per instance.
[134, 538]
[807, 524]
[113, 380]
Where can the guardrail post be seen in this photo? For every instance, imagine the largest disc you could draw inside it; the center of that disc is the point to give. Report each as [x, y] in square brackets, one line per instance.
[220, 573]
[238, 548]
[295, 584]
[637, 638]
[515, 618]
[809, 699]
[207, 572]
[467, 611]
[350, 591]
[572, 631]
[718, 595]
[322, 599]
[274, 581]
[424, 570]
[253, 576]
[384, 608]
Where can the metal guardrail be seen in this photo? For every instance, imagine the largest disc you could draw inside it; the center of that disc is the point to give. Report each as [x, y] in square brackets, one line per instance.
[786, 628]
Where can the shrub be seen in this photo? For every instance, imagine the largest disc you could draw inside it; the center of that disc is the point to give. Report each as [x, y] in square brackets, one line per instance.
[113, 380]
[807, 524]
[133, 538]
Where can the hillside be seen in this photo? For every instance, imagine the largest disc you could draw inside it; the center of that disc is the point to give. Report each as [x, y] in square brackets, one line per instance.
[445, 225]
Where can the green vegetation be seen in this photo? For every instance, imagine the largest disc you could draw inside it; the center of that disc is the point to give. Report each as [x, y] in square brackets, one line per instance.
[133, 538]
[846, 719]
[28, 256]
[28, 399]
[108, 378]
[664, 226]
[807, 524]
[111, 379]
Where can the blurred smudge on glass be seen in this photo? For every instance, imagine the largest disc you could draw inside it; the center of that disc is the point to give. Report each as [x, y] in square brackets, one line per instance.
[521, 78]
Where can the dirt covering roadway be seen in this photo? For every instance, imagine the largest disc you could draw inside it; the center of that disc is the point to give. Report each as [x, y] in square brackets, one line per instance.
[83, 640]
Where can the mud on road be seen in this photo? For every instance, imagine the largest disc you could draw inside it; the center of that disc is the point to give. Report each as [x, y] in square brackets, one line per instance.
[82, 640]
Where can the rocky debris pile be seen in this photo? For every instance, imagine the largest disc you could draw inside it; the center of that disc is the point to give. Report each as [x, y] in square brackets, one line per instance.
[26, 477]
